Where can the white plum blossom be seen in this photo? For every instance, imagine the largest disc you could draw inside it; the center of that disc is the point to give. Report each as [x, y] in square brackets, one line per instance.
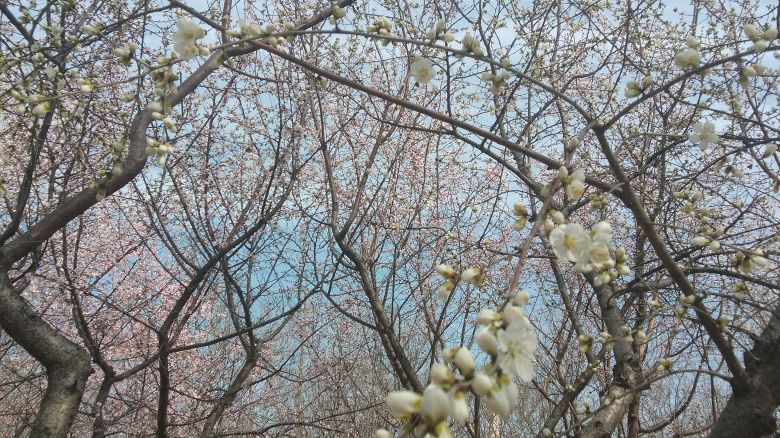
[703, 135]
[759, 38]
[445, 271]
[760, 45]
[445, 289]
[517, 344]
[184, 40]
[599, 254]
[589, 250]
[571, 242]
[751, 31]
[633, 89]
[422, 70]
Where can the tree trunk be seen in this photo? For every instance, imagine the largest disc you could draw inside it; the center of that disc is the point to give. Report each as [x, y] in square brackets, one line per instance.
[751, 413]
[67, 364]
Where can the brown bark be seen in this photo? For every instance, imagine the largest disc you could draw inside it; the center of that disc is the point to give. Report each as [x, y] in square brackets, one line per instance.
[751, 413]
[67, 364]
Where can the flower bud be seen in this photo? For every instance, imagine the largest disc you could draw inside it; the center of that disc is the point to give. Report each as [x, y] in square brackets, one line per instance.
[435, 404]
[445, 290]
[487, 316]
[760, 45]
[514, 315]
[519, 224]
[759, 260]
[464, 361]
[498, 403]
[445, 271]
[481, 384]
[41, 109]
[547, 190]
[156, 106]
[557, 217]
[382, 433]
[487, 341]
[473, 275]
[460, 409]
[549, 225]
[520, 299]
[442, 430]
[403, 404]
[440, 374]
[751, 31]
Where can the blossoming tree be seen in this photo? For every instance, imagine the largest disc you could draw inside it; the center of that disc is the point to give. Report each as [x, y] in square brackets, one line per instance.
[444, 219]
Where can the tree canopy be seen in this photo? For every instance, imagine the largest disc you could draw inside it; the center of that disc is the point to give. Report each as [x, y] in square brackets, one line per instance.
[414, 219]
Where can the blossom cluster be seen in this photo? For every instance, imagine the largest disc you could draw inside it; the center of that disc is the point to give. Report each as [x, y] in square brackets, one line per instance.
[589, 250]
[439, 33]
[186, 38]
[475, 276]
[497, 80]
[690, 57]
[574, 182]
[635, 89]
[760, 39]
[506, 338]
